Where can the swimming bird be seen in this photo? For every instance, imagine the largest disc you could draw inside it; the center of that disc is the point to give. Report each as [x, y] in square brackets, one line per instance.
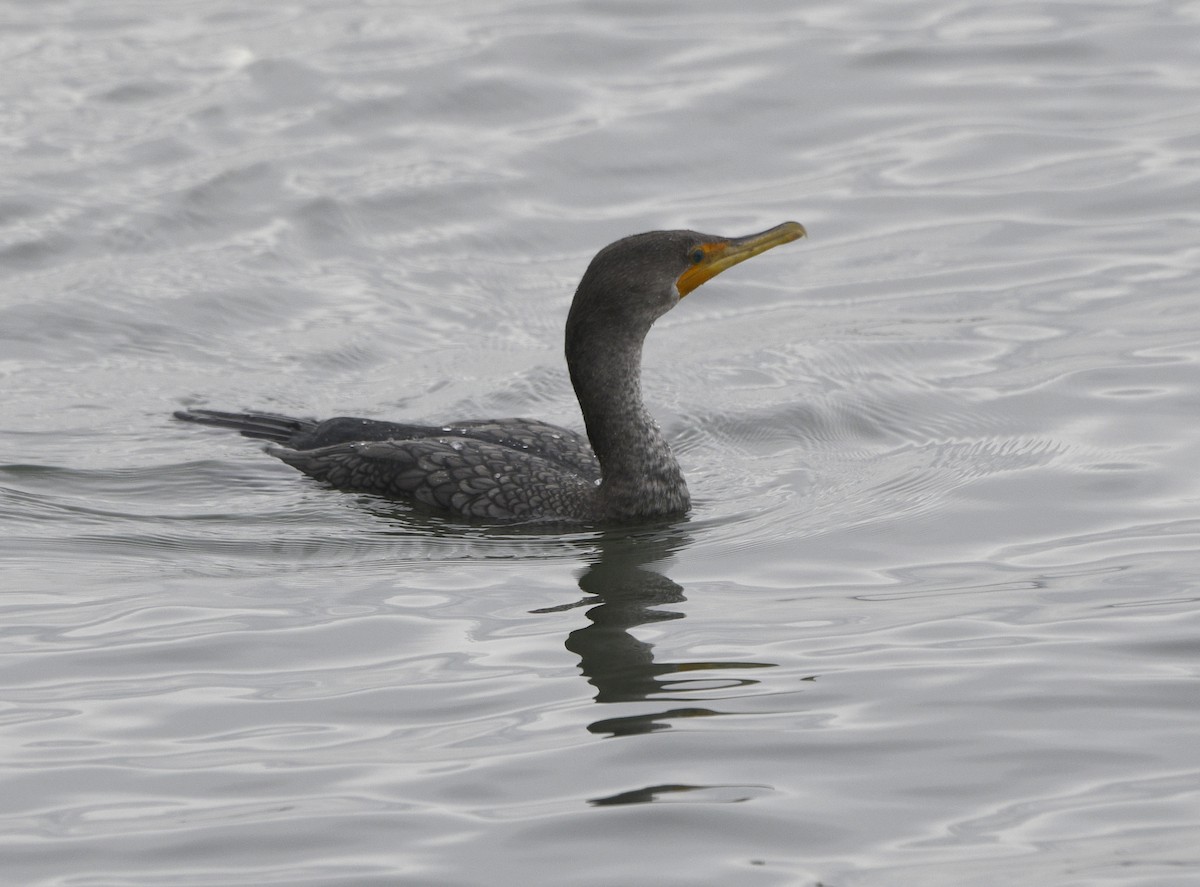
[509, 470]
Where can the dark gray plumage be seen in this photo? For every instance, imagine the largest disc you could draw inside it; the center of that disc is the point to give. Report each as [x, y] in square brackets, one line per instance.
[523, 469]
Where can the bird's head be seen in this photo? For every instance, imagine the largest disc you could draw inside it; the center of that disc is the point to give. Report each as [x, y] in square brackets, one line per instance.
[634, 281]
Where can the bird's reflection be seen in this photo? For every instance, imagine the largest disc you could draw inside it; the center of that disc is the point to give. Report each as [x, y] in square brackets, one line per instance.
[627, 592]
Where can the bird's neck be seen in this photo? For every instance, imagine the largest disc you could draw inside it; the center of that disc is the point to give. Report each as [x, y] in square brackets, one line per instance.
[641, 478]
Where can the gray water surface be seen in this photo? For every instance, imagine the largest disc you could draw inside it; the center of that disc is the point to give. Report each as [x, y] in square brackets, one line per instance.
[935, 617]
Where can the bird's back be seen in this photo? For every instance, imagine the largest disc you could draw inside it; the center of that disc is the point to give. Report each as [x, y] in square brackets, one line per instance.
[498, 469]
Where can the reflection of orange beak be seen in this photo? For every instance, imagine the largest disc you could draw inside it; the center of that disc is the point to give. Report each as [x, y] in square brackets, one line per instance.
[714, 257]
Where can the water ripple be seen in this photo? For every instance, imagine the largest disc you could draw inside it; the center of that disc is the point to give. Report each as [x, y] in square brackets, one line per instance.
[942, 453]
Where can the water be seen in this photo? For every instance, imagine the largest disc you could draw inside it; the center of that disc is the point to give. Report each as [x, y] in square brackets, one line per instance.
[934, 618]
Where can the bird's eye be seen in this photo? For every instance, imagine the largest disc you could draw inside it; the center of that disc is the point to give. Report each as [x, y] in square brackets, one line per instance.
[697, 256]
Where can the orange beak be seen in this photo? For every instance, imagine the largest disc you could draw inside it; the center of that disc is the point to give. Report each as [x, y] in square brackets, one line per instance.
[710, 259]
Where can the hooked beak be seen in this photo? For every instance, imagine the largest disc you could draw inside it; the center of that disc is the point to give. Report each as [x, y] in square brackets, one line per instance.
[715, 256]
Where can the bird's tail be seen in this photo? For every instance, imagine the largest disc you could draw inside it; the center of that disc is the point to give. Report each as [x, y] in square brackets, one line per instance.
[263, 426]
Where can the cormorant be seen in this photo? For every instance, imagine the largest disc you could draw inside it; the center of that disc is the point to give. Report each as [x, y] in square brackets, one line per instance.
[523, 469]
